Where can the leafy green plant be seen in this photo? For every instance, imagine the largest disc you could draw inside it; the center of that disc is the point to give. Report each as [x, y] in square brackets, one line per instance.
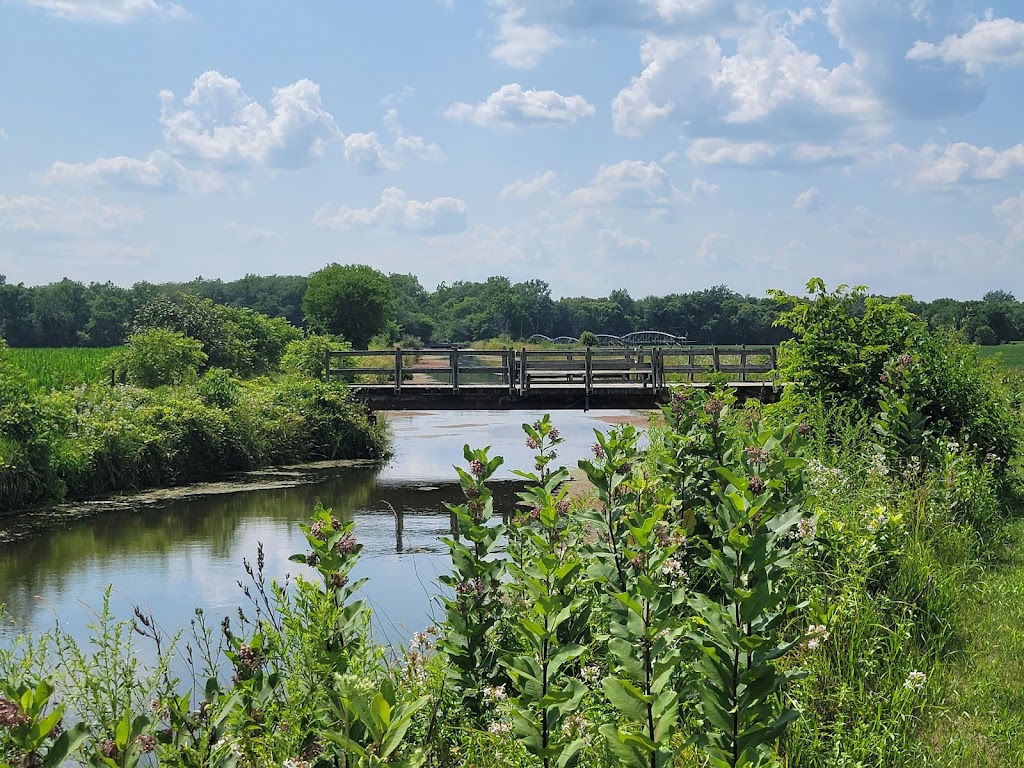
[32, 727]
[156, 357]
[545, 578]
[472, 608]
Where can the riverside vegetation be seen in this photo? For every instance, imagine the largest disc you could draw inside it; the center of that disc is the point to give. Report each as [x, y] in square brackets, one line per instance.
[67, 433]
[778, 586]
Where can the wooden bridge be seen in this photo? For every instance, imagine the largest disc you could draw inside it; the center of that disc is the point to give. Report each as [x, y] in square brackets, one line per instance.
[591, 378]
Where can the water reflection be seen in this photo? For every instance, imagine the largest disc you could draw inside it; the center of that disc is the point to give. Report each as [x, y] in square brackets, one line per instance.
[185, 554]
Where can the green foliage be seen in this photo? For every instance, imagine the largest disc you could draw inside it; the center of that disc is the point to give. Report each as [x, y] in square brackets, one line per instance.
[255, 342]
[842, 341]
[157, 357]
[471, 610]
[588, 339]
[354, 301]
[546, 572]
[930, 386]
[308, 356]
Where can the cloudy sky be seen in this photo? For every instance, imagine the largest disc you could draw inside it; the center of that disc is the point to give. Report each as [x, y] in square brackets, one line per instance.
[654, 145]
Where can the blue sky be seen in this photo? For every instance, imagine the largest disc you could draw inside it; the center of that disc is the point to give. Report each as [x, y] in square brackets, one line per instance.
[654, 145]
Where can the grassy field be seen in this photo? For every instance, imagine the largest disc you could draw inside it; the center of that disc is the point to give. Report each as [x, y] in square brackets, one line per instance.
[1009, 355]
[57, 368]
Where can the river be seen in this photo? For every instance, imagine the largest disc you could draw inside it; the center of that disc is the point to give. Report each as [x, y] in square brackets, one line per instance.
[178, 555]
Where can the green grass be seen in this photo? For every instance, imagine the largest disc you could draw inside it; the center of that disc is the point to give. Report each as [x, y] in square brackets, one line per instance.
[1009, 355]
[59, 368]
[983, 707]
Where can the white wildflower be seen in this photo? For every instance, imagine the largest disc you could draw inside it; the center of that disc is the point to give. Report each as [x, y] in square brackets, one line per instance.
[499, 728]
[915, 681]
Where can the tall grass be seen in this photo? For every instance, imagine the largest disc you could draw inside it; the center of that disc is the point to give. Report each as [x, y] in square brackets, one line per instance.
[62, 367]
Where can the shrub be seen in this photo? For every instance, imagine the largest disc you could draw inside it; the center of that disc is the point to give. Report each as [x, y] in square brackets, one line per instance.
[309, 355]
[156, 357]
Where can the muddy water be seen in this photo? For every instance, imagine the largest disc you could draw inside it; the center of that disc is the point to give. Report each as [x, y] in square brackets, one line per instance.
[176, 552]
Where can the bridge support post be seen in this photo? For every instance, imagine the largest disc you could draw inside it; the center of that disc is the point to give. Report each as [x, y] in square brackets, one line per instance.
[398, 370]
[454, 357]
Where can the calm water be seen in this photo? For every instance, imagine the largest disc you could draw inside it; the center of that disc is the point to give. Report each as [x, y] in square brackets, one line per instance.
[187, 554]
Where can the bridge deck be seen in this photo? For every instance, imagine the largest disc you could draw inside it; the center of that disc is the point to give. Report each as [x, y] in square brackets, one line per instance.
[555, 397]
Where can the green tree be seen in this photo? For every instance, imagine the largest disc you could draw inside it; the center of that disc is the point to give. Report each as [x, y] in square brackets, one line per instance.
[59, 313]
[354, 300]
[111, 310]
[190, 315]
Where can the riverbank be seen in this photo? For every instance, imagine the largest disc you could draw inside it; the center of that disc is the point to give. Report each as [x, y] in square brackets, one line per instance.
[97, 440]
[25, 523]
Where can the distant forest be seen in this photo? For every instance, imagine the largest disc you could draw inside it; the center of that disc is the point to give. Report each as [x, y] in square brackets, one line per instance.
[70, 313]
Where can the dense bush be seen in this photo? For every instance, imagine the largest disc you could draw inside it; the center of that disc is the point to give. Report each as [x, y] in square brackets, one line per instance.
[723, 598]
[25, 452]
[155, 357]
[864, 353]
[245, 341]
[308, 356]
[99, 439]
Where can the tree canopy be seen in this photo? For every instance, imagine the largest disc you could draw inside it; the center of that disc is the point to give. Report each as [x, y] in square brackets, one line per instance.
[354, 301]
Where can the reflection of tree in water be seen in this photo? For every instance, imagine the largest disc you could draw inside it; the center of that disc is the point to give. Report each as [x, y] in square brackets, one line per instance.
[52, 560]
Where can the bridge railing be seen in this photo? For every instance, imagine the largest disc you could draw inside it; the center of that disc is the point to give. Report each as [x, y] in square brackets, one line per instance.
[521, 370]
[399, 366]
[589, 366]
[740, 360]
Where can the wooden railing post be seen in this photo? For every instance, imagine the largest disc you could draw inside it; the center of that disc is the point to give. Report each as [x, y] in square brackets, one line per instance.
[743, 362]
[510, 369]
[717, 359]
[454, 356]
[588, 372]
[398, 369]
[524, 379]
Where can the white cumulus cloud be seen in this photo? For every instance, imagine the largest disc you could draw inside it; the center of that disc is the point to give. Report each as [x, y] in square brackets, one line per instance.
[1011, 211]
[159, 171]
[714, 151]
[809, 200]
[368, 154]
[511, 105]
[989, 41]
[523, 45]
[702, 188]
[525, 188]
[630, 182]
[221, 124]
[962, 162]
[67, 217]
[615, 242]
[108, 11]
[442, 215]
[769, 85]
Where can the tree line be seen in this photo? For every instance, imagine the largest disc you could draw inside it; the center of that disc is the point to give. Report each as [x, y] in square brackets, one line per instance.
[69, 313]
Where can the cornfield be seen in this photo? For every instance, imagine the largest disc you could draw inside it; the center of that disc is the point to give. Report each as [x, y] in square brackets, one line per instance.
[62, 367]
